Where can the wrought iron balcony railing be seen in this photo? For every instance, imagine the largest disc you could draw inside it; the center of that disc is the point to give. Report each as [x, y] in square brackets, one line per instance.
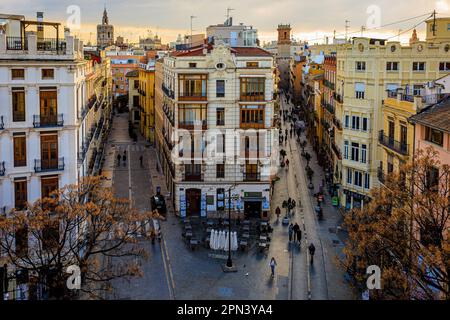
[252, 176]
[45, 121]
[16, 43]
[47, 165]
[381, 175]
[168, 92]
[51, 44]
[2, 124]
[397, 146]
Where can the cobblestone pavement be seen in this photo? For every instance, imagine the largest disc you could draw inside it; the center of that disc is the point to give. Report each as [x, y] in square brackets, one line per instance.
[175, 272]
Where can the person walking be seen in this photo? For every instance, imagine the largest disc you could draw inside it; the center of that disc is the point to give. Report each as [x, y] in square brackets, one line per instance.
[299, 235]
[273, 264]
[287, 164]
[119, 157]
[124, 158]
[291, 231]
[312, 250]
[278, 212]
[296, 228]
[141, 159]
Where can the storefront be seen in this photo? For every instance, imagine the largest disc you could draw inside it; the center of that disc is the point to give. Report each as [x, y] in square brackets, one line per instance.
[354, 199]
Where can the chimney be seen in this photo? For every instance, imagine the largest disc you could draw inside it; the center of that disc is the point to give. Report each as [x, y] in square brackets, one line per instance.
[66, 32]
[40, 27]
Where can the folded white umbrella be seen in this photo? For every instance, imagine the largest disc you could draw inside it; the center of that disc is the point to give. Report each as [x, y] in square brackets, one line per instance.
[234, 242]
[211, 239]
[227, 239]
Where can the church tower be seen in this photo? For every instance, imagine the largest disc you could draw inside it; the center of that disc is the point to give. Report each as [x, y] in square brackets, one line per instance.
[284, 34]
[105, 32]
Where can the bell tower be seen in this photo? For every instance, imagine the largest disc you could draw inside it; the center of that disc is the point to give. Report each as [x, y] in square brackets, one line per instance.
[284, 34]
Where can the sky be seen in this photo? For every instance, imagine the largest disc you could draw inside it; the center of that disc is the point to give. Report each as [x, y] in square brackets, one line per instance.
[310, 20]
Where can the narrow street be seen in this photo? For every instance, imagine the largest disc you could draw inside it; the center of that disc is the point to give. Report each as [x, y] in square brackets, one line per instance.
[175, 272]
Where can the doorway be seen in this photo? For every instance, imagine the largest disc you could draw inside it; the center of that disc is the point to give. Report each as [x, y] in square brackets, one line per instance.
[252, 209]
[193, 202]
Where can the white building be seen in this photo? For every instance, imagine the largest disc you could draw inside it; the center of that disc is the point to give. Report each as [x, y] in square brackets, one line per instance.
[43, 90]
[217, 129]
[233, 35]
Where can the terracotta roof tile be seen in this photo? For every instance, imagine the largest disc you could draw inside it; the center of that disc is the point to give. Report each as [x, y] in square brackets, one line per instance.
[435, 116]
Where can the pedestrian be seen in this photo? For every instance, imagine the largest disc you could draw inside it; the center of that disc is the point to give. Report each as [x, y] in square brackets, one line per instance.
[273, 264]
[141, 159]
[118, 159]
[286, 132]
[289, 201]
[124, 158]
[125, 153]
[299, 235]
[291, 132]
[312, 250]
[296, 228]
[290, 231]
[287, 164]
[278, 212]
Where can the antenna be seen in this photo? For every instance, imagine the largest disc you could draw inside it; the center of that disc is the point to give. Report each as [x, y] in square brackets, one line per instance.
[192, 18]
[347, 26]
[434, 23]
[363, 28]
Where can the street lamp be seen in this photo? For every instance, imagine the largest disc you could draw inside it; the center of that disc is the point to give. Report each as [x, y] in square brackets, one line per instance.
[229, 260]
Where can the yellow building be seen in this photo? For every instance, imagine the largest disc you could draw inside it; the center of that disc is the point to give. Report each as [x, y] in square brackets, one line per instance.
[133, 95]
[367, 70]
[147, 100]
[396, 139]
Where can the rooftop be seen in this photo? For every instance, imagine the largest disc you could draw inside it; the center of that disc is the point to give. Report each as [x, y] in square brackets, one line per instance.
[238, 51]
[435, 116]
[132, 73]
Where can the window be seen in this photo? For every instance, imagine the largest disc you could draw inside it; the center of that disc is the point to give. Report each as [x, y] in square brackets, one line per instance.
[48, 106]
[355, 122]
[418, 66]
[220, 116]
[20, 194]
[434, 136]
[363, 153]
[349, 176]
[252, 89]
[444, 66]
[252, 117]
[191, 115]
[48, 73]
[220, 199]
[192, 87]
[252, 64]
[345, 149]
[17, 74]
[220, 143]
[135, 101]
[417, 90]
[366, 180]
[18, 104]
[136, 84]
[192, 65]
[364, 124]
[347, 121]
[355, 152]
[392, 66]
[390, 163]
[432, 178]
[220, 170]
[360, 89]
[360, 65]
[220, 88]
[358, 178]
[20, 150]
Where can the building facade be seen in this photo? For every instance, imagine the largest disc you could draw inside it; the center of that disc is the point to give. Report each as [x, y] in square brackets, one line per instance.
[134, 106]
[147, 100]
[215, 129]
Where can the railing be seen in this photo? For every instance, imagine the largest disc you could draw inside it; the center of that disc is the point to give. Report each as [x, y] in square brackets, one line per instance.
[51, 44]
[336, 150]
[196, 124]
[16, 43]
[328, 106]
[168, 92]
[2, 124]
[338, 97]
[329, 84]
[397, 146]
[193, 177]
[2, 168]
[427, 99]
[252, 96]
[45, 121]
[381, 175]
[47, 165]
[252, 176]
[337, 123]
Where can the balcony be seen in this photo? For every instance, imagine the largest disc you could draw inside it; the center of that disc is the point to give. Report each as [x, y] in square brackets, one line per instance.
[337, 123]
[389, 142]
[336, 150]
[2, 124]
[329, 107]
[328, 84]
[51, 44]
[170, 93]
[253, 96]
[381, 176]
[252, 176]
[47, 121]
[2, 168]
[193, 125]
[48, 165]
[16, 43]
[338, 97]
